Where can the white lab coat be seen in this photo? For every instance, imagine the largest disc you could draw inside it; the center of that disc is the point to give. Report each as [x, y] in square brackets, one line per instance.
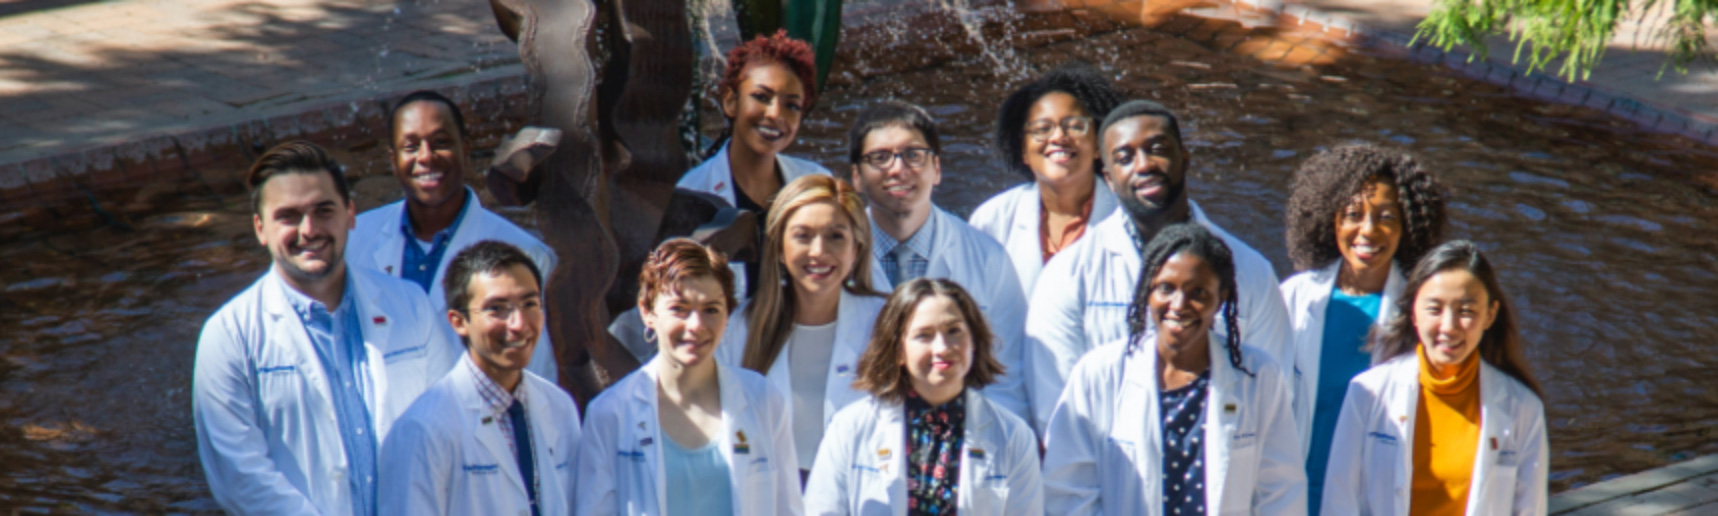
[979, 264]
[1091, 284]
[378, 244]
[1012, 218]
[1105, 446]
[1307, 296]
[1373, 472]
[447, 454]
[262, 403]
[862, 464]
[853, 322]
[620, 466]
[713, 176]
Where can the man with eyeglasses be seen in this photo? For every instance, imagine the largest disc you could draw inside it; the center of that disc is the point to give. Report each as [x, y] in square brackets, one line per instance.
[490, 437]
[893, 151]
[1092, 282]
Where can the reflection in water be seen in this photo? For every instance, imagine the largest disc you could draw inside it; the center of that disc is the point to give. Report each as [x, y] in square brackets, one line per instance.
[1601, 233]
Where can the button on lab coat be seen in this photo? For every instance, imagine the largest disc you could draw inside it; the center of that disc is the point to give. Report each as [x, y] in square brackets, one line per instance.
[974, 260]
[852, 335]
[1089, 286]
[620, 466]
[1373, 473]
[1105, 445]
[378, 244]
[1012, 218]
[862, 464]
[447, 455]
[1307, 296]
[262, 405]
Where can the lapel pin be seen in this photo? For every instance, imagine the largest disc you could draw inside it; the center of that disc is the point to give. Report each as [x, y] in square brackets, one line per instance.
[883, 454]
[1401, 419]
[379, 320]
[720, 185]
[975, 453]
[646, 441]
[1229, 408]
[1494, 444]
[389, 269]
[741, 446]
[841, 369]
[488, 420]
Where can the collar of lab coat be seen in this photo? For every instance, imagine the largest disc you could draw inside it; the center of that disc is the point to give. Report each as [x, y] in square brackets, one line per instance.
[1497, 422]
[852, 335]
[1027, 216]
[715, 177]
[946, 243]
[736, 417]
[1117, 223]
[481, 422]
[1308, 322]
[387, 254]
[888, 443]
[373, 322]
[1139, 385]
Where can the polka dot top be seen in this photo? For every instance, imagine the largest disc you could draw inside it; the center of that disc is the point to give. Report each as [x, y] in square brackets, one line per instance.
[1183, 413]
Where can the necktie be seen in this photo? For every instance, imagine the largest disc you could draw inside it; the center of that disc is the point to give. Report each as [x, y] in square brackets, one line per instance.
[903, 257]
[522, 451]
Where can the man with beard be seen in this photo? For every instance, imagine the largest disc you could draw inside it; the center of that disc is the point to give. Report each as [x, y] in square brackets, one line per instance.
[1092, 282]
[417, 237]
[299, 377]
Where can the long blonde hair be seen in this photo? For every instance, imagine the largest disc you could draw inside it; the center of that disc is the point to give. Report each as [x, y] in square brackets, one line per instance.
[769, 318]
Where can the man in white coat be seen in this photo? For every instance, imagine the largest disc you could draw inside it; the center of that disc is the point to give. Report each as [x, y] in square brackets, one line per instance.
[490, 437]
[894, 148]
[1093, 280]
[299, 377]
[416, 238]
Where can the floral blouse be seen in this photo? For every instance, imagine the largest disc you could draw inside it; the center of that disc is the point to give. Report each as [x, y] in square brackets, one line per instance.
[934, 439]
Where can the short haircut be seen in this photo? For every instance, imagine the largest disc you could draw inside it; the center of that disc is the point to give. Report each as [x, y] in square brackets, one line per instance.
[879, 371]
[891, 113]
[795, 54]
[294, 157]
[1097, 96]
[1135, 108]
[423, 96]
[1326, 183]
[1193, 239]
[679, 259]
[487, 257]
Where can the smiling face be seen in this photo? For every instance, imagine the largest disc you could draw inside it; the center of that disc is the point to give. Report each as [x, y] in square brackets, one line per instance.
[1451, 313]
[819, 249]
[1059, 156]
[303, 223]
[501, 324]
[1145, 165]
[429, 154]
[1369, 229]
[1185, 296]
[937, 349]
[765, 108]
[688, 318]
[899, 188]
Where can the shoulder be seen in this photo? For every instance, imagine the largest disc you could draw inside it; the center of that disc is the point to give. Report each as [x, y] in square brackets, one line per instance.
[1300, 280]
[1011, 425]
[1523, 398]
[802, 167]
[551, 393]
[858, 418]
[244, 304]
[379, 216]
[755, 387]
[431, 409]
[498, 227]
[392, 288]
[1381, 375]
[998, 207]
[1102, 365]
[1265, 367]
[612, 404]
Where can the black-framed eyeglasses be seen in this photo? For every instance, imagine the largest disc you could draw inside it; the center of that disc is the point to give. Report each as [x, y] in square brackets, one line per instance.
[914, 157]
[1073, 126]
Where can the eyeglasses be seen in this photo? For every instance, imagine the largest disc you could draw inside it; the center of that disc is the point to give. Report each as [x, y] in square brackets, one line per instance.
[504, 311]
[1073, 126]
[914, 157]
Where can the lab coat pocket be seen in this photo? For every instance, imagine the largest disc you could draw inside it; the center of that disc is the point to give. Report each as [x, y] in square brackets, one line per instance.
[403, 355]
[1242, 474]
[758, 486]
[1382, 454]
[281, 387]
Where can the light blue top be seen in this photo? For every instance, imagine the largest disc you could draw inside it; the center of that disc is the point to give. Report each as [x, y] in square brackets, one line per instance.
[697, 480]
[339, 343]
[1341, 357]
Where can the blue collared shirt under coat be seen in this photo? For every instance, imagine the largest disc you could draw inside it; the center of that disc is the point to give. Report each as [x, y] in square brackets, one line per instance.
[920, 244]
[339, 344]
[417, 266]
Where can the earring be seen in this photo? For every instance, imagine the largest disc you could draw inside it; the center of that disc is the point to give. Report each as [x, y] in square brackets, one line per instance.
[650, 334]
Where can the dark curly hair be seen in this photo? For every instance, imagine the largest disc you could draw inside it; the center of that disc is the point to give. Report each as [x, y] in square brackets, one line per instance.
[793, 53]
[1096, 94]
[1328, 181]
[1192, 238]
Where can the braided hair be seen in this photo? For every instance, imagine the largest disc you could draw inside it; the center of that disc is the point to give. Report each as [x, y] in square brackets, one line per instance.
[1195, 240]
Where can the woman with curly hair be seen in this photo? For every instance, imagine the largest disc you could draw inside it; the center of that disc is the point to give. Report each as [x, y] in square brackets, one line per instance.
[1358, 215]
[1182, 420]
[1047, 134]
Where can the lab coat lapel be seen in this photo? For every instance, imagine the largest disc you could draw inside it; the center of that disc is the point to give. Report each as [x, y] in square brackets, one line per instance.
[286, 332]
[1223, 414]
[390, 247]
[978, 454]
[378, 331]
[469, 231]
[1024, 238]
[739, 428]
[485, 426]
[1496, 434]
[1401, 411]
[887, 453]
[852, 331]
[1141, 431]
[646, 433]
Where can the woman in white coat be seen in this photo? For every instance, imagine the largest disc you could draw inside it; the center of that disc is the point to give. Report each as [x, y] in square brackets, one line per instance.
[1358, 215]
[1451, 422]
[927, 440]
[1183, 424]
[1047, 133]
[808, 325]
[715, 437]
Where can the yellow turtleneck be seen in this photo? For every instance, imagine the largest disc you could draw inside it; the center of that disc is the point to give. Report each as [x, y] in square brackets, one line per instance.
[1446, 437]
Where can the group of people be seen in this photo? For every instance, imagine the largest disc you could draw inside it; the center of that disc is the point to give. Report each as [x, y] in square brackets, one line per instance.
[1088, 342]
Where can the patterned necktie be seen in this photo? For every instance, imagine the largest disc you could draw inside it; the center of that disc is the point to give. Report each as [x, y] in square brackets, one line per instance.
[903, 259]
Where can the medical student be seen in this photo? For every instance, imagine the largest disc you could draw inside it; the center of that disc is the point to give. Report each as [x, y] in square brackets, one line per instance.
[1046, 133]
[298, 378]
[416, 238]
[1358, 215]
[1146, 165]
[1181, 420]
[767, 88]
[490, 436]
[813, 313]
[894, 153]
[1452, 421]
[927, 442]
[685, 434]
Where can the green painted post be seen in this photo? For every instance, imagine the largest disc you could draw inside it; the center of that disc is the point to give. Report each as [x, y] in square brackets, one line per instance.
[818, 22]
